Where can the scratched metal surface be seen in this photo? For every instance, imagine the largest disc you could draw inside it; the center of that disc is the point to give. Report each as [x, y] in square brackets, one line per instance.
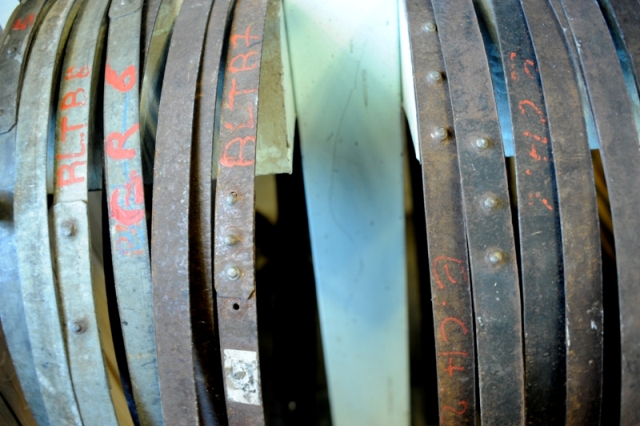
[234, 226]
[492, 253]
[126, 205]
[78, 84]
[539, 220]
[13, 53]
[624, 18]
[170, 240]
[613, 114]
[447, 241]
[149, 13]
[37, 280]
[151, 82]
[207, 357]
[578, 209]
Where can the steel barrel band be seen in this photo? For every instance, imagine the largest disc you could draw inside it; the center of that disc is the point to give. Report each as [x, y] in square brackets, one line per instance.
[137, 303]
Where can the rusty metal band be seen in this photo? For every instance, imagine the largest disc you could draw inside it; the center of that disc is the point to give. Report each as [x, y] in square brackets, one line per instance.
[153, 76]
[446, 237]
[207, 357]
[624, 18]
[538, 214]
[492, 252]
[613, 115]
[35, 264]
[75, 129]
[578, 211]
[234, 251]
[13, 58]
[149, 13]
[170, 240]
[126, 205]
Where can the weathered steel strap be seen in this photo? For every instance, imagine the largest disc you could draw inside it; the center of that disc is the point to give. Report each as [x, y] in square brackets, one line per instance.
[170, 221]
[149, 13]
[624, 18]
[207, 356]
[540, 239]
[613, 115]
[126, 204]
[153, 76]
[234, 261]
[492, 251]
[74, 132]
[578, 210]
[13, 53]
[447, 240]
[31, 219]
[10, 388]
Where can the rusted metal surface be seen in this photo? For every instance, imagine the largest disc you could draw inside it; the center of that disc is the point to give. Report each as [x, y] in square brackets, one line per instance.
[207, 356]
[540, 238]
[13, 53]
[624, 19]
[613, 115]
[234, 249]
[447, 241]
[151, 81]
[126, 204]
[578, 213]
[485, 193]
[75, 131]
[31, 216]
[170, 221]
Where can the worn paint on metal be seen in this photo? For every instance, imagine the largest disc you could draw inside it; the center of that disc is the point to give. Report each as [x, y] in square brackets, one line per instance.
[170, 243]
[75, 131]
[234, 264]
[446, 236]
[615, 123]
[126, 206]
[13, 53]
[492, 253]
[35, 262]
[539, 218]
[577, 203]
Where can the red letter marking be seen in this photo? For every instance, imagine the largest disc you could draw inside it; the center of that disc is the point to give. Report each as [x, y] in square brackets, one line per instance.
[451, 368]
[245, 57]
[450, 408]
[83, 151]
[71, 173]
[128, 217]
[123, 82]
[529, 63]
[233, 92]
[536, 137]
[457, 321]
[64, 128]
[20, 25]
[115, 141]
[246, 36]
[70, 100]
[445, 260]
[527, 102]
[71, 73]
[231, 160]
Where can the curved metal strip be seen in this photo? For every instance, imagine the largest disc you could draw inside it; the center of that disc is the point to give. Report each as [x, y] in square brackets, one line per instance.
[540, 238]
[613, 115]
[447, 240]
[170, 221]
[578, 211]
[485, 193]
[74, 133]
[152, 79]
[149, 14]
[13, 53]
[234, 250]
[31, 219]
[208, 372]
[126, 204]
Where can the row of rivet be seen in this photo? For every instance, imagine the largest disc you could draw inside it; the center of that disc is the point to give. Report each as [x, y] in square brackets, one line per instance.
[232, 272]
[439, 134]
